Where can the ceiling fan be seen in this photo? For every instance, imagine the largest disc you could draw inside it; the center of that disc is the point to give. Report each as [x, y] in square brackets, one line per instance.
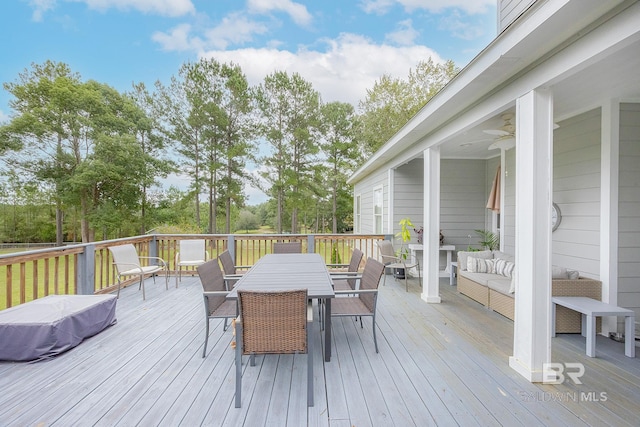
[506, 137]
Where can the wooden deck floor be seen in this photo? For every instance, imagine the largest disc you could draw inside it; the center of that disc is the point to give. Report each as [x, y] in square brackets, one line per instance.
[439, 364]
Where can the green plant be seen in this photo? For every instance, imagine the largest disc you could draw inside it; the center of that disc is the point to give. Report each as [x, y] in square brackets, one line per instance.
[488, 239]
[404, 235]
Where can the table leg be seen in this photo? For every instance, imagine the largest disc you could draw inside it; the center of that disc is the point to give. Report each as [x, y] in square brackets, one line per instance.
[591, 336]
[452, 274]
[583, 325]
[629, 336]
[327, 329]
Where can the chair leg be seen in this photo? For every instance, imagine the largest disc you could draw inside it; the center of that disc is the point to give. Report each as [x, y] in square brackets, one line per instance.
[144, 297]
[375, 341]
[206, 338]
[238, 366]
[309, 369]
[118, 296]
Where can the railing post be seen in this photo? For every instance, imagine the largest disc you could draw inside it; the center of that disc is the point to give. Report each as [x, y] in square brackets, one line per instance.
[231, 246]
[86, 271]
[311, 243]
[153, 247]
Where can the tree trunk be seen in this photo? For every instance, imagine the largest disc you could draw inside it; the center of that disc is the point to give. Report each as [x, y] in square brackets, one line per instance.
[59, 225]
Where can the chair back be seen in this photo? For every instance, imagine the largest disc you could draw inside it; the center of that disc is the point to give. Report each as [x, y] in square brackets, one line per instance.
[287, 248]
[212, 280]
[354, 266]
[192, 250]
[386, 248]
[228, 265]
[273, 321]
[125, 257]
[370, 280]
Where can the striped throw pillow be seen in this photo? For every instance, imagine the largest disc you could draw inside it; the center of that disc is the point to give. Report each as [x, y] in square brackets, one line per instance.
[504, 267]
[480, 265]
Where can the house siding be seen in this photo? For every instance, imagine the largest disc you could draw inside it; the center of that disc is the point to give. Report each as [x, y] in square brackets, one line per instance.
[463, 200]
[629, 209]
[365, 189]
[509, 228]
[409, 195]
[576, 190]
[509, 10]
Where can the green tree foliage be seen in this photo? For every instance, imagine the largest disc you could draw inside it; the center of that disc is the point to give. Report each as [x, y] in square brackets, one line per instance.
[340, 151]
[289, 113]
[392, 102]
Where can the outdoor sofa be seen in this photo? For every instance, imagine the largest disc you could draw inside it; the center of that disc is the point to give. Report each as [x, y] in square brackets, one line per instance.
[496, 291]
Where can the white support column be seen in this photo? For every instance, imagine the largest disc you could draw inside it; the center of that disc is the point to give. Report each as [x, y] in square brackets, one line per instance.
[609, 183]
[534, 160]
[431, 237]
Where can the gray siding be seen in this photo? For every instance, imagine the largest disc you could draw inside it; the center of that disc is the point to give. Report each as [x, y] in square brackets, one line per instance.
[409, 194]
[629, 209]
[509, 10]
[365, 189]
[576, 190]
[509, 231]
[463, 200]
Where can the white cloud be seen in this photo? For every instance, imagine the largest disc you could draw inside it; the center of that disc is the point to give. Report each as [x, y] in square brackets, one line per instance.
[40, 7]
[458, 27]
[434, 6]
[160, 7]
[350, 65]
[296, 11]
[178, 39]
[405, 35]
[234, 29]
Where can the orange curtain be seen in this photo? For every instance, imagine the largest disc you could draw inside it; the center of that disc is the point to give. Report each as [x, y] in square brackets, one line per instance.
[494, 196]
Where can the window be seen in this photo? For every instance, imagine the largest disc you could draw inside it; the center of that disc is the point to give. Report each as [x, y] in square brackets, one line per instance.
[357, 226]
[377, 210]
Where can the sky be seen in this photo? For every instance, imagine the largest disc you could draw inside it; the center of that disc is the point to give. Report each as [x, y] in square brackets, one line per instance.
[341, 46]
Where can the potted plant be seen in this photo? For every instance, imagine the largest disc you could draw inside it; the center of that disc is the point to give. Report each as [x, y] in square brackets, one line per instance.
[404, 235]
[488, 239]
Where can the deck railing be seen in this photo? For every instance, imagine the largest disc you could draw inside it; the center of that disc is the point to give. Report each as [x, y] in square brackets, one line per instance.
[88, 268]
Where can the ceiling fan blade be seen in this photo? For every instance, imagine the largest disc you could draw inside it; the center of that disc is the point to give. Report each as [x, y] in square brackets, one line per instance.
[496, 132]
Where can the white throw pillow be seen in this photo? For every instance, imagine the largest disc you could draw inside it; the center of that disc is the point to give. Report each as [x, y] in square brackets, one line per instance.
[480, 265]
[504, 267]
[573, 274]
[463, 255]
[559, 272]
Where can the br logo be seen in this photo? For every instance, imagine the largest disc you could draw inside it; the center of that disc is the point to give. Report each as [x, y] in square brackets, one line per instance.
[554, 373]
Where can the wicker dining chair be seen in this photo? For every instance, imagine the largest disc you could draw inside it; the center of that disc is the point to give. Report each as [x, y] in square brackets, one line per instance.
[287, 248]
[366, 297]
[216, 305]
[346, 280]
[273, 322]
[232, 272]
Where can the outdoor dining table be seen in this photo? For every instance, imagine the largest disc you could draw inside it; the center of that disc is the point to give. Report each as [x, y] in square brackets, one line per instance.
[292, 271]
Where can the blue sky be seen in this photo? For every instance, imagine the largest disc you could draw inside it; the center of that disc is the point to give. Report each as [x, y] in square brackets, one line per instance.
[341, 46]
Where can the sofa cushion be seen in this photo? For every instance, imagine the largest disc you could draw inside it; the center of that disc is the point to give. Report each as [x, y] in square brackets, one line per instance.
[503, 255]
[462, 257]
[559, 272]
[480, 278]
[504, 267]
[502, 285]
[480, 265]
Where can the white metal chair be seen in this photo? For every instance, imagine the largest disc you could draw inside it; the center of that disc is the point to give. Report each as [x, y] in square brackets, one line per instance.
[128, 263]
[192, 253]
[393, 261]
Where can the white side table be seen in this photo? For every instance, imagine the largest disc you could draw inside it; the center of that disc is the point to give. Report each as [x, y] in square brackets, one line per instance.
[590, 309]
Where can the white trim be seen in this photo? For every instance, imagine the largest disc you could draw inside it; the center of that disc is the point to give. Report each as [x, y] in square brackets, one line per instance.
[431, 253]
[357, 213]
[609, 191]
[375, 189]
[391, 200]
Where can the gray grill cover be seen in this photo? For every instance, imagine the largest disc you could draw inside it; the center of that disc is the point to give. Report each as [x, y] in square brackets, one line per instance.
[48, 326]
